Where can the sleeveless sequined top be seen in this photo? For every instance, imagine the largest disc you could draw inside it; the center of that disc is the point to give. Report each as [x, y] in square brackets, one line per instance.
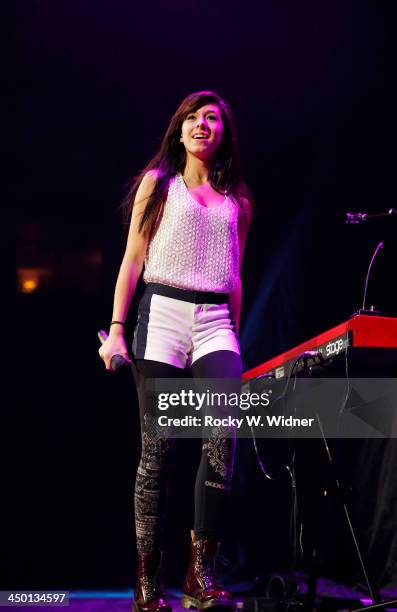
[194, 247]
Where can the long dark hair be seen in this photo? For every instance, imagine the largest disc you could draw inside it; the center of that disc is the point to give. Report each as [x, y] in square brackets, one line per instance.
[225, 174]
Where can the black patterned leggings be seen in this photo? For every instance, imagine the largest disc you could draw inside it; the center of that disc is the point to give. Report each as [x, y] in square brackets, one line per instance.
[215, 471]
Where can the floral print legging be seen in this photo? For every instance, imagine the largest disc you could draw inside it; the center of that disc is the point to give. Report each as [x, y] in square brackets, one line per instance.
[214, 475]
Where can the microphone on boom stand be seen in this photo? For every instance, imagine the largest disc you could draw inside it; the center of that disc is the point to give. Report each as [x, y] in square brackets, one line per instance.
[354, 218]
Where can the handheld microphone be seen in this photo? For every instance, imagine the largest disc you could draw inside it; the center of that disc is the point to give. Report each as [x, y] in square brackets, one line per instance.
[117, 362]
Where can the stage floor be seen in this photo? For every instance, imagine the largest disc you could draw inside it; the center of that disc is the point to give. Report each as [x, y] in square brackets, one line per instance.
[331, 596]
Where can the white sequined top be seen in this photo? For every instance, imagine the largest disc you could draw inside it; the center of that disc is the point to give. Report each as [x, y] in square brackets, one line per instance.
[194, 247]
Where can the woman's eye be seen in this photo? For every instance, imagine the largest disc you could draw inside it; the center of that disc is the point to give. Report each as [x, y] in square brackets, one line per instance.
[189, 117]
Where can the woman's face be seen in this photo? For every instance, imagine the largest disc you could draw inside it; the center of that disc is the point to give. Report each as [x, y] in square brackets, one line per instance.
[202, 131]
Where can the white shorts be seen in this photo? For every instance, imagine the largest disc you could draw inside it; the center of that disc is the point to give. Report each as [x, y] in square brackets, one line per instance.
[178, 326]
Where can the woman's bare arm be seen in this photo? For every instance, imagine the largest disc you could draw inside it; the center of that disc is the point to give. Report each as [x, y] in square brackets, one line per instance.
[130, 271]
[235, 297]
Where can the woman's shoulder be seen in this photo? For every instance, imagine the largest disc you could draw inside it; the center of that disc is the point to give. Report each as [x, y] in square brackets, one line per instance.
[244, 203]
[146, 187]
[245, 208]
[154, 175]
[150, 178]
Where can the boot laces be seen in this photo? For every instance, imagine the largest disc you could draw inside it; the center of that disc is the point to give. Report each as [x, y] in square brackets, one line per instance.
[151, 586]
[208, 570]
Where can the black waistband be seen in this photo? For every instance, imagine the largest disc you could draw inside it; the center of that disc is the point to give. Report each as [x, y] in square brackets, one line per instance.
[186, 295]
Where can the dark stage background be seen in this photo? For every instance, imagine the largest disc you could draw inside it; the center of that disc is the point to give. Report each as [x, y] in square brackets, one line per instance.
[311, 86]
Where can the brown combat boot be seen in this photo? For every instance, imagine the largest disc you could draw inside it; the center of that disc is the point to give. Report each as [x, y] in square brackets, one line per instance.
[149, 595]
[201, 589]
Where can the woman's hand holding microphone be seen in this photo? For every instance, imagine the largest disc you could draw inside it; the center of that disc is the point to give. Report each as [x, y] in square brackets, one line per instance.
[113, 350]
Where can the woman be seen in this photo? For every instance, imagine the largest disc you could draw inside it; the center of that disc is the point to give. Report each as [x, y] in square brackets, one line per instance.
[190, 213]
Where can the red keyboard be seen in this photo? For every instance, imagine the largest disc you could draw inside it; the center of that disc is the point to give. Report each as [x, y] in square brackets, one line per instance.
[359, 332]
